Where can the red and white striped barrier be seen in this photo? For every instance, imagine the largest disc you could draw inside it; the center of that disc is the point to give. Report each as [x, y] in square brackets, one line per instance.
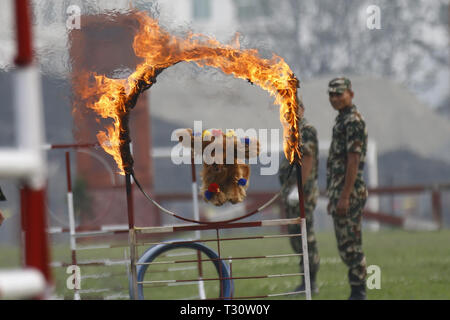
[28, 162]
[218, 225]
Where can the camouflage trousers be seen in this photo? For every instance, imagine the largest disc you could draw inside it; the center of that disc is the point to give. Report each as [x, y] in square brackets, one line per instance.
[347, 229]
[293, 211]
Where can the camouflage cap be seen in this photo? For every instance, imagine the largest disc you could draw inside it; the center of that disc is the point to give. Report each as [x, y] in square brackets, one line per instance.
[339, 85]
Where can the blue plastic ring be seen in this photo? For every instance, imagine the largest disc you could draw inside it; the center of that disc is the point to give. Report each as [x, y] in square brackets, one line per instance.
[153, 252]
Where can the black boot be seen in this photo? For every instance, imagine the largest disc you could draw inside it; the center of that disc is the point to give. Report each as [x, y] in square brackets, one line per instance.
[358, 292]
[314, 288]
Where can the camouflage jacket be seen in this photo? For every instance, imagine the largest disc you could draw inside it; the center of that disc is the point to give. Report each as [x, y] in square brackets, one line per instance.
[349, 135]
[310, 146]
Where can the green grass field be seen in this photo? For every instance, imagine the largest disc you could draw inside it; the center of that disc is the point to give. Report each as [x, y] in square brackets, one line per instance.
[414, 265]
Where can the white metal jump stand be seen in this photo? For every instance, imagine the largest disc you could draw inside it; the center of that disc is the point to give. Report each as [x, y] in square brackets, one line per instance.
[224, 271]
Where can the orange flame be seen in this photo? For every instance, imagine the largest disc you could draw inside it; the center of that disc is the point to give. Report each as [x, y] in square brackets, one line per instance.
[161, 50]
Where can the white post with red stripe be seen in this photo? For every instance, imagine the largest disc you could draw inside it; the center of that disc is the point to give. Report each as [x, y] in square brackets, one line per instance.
[28, 161]
[305, 259]
[70, 210]
[201, 285]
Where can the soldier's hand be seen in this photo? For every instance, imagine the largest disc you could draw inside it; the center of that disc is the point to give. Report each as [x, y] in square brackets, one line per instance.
[1, 218]
[343, 206]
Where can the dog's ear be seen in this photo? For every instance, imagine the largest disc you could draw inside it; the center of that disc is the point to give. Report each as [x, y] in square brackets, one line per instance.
[254, 148]
[185, 136]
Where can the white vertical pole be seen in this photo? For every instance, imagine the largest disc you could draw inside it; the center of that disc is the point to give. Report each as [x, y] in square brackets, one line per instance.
[73, 244]
[30, 121]
[373, 202]
[195, 206]
[201, 285]
[305, 259]
[70, 211]
[30, 137]
[372, 167]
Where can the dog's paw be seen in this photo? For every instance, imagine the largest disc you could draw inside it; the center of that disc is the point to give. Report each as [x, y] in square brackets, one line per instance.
[218, 199]
[237, 194]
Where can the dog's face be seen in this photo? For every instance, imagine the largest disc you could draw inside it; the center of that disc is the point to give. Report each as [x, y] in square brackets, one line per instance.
[216, 172]
[217, 168]
[241, 148]
[227, 171]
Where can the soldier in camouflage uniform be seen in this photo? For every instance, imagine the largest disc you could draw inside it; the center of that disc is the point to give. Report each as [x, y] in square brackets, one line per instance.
[346, 189]
[310, 152]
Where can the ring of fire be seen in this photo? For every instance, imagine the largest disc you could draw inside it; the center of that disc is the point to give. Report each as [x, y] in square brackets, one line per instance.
[114, 98]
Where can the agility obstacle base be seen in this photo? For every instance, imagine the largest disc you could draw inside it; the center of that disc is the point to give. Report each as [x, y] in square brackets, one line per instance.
[146, 256]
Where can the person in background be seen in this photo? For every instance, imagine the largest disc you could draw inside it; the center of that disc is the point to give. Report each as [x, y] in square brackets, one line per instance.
[346, 190]
[310, 163]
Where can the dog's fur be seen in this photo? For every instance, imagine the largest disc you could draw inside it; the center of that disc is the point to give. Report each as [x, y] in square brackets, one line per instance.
[225, 175]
